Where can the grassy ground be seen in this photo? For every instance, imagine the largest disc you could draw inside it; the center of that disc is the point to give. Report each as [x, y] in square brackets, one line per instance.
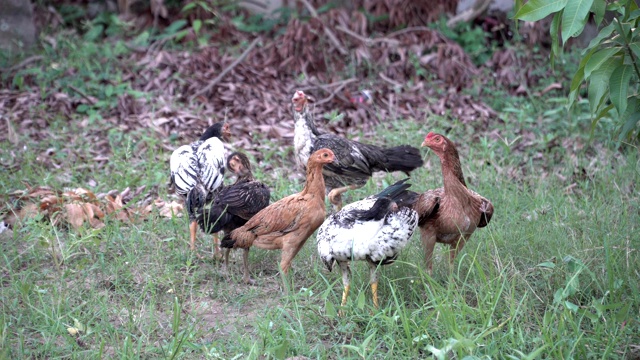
[554, 275]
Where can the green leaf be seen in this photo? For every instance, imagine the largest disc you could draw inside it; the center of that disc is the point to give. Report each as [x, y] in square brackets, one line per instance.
[604, 112]
[598, 8]
[589, 314]
[94, 32]
[558, 296]
[634, 15]
[599, 83]
[330, 310]
[360, 302]
[574, 17]
[554, 30]
[598, 58]
[197, 24]
[175, 27]
[189, 6]
[571, 306]
[547, 264]
[604, 33]
[630, 117]
[619, 86]
[579, 77]
[635, 47]
[535, 10]
[623, 314]
[624, 30]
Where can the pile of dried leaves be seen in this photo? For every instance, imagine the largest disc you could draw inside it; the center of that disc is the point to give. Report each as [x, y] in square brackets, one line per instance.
[367, 71]
[412, 72]
[74, 208]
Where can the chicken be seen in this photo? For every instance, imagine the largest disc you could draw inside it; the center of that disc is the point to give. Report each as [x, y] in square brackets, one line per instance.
[236, 203]
[450, 214]
[197, 171]
[355, 163]
[287, 223]
[374, 229]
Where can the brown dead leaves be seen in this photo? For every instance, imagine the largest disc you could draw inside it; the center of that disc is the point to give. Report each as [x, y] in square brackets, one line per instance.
[78, 207]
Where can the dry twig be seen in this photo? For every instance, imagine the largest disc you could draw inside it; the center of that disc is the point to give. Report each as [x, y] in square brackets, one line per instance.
[367, 41]
[332, 37]
[224, 72]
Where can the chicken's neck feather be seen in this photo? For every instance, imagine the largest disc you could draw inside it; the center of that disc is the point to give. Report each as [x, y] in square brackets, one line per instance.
[305, 134]
[315, 182]
[452, 172]
[247, 177]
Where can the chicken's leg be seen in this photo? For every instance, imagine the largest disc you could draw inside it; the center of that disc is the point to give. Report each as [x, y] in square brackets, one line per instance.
[429, 243]
[193, 227]
[456, 247]
[346, 279]
[216, 247]
[335, 195]
[225, 260]
[245, 261]
[373, 280]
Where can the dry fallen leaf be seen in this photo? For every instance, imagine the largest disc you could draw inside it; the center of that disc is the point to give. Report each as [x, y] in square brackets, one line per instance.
[74, 214]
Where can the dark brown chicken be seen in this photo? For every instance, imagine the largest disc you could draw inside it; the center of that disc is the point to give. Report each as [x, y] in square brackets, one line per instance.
[287, 223]
[450, 214]
[355, 161]
[236, 203]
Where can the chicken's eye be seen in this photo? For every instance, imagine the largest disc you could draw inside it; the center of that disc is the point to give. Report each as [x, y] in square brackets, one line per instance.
[325, 154]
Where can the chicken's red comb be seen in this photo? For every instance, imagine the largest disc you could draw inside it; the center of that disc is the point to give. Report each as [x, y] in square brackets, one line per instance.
[430, 135]
[298, 95]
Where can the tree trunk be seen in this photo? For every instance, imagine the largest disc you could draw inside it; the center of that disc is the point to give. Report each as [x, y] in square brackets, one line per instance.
[17, 29]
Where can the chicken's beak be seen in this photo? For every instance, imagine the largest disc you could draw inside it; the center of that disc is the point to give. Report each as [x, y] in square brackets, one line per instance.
[424, 143]
[226, 133]
[298, 104]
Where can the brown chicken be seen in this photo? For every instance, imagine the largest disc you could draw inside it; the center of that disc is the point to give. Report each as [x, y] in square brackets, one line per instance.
[449, 215]
[287, 223]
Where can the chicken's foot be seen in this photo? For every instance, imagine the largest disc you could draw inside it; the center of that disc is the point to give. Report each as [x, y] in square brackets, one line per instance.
[225, 260]
[374, 284]
[245, 261]
[193, 228]
[346, 276]
[335, 195]
[217, 253]
[429, 243]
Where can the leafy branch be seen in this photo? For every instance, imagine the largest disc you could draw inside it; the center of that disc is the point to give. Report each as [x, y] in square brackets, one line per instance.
[609, 64]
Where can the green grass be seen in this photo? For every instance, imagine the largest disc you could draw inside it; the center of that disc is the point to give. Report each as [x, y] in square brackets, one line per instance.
[554, 275]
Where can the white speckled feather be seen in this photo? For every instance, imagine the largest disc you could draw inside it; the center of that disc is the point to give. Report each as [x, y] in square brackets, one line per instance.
[202, 161]
[344, 238]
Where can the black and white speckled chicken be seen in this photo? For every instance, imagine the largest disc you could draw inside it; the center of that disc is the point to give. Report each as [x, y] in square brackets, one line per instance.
[374, 229]
[197, 171]
[355, 161]
[236, 203]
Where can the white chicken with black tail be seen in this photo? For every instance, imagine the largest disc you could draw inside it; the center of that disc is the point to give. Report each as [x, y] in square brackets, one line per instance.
[374, 229]
[197, 171]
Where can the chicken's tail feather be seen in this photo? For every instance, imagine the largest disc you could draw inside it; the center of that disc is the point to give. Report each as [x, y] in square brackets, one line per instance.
[403, 158]
[328, 262]
[227, 241]
[214, 219]
[399, 194]
[238, 238]
[196, 199]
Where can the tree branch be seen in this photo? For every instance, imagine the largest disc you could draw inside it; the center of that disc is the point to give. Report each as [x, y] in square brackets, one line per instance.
[332, 37]
[224, 72]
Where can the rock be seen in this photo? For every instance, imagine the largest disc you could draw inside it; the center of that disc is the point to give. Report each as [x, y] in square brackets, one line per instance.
[17, 29]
